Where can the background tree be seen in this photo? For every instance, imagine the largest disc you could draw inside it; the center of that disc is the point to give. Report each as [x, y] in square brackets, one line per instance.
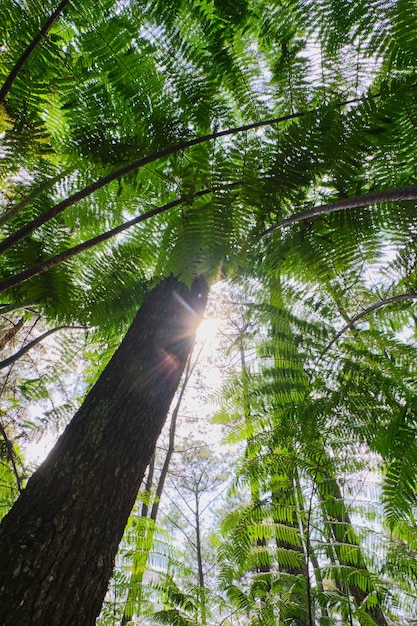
[302, 515]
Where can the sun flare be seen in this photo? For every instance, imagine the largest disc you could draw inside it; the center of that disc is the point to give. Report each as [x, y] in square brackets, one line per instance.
[208, 329]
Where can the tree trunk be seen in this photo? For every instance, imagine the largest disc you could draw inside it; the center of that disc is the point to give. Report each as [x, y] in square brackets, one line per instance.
[334, 508]
[201, 583]
[134, 597]
[59, 540]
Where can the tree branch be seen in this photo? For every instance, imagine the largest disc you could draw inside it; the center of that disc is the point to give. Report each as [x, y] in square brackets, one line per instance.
[388, 195]
[43, 266]
[370, 309]
[15, 357]
[30, 48]
[136, 165]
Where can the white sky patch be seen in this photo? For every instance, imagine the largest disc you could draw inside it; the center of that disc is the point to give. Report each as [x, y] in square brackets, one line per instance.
[36, 452]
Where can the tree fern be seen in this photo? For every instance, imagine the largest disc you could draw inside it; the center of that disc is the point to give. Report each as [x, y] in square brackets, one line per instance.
[223, 124]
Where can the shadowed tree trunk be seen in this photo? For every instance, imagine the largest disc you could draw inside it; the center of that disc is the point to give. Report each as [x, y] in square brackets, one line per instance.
[59, 540]
[334, 507]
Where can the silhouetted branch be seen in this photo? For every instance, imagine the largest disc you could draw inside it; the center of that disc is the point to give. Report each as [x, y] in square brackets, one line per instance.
[43, 266]
[12, 359]
[136, 165]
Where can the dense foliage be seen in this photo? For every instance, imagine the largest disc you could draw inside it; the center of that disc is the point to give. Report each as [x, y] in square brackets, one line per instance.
[271, 144]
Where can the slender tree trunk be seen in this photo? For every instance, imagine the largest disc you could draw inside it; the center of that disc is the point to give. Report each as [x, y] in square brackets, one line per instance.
[311, 556]
[134, 597]
[201, 582]
[60, 538]
[139, 560]
[297, 588]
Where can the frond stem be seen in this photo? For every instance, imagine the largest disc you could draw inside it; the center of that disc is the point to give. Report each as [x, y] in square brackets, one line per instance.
[23, 232]
[375, 197]
[370, 309]
[30, 48]
[43, 266]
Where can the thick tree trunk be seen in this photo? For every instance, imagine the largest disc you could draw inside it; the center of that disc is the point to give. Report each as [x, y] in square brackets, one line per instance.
[59, 540]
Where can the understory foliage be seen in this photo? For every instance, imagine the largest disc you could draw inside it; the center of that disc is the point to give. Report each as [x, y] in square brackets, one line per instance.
[146, 139]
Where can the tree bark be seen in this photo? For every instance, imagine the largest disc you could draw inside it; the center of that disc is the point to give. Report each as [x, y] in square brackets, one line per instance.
[59, 540]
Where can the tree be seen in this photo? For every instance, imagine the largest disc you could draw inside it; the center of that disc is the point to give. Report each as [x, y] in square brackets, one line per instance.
[61, 507]
[31, 374]
[111, 113]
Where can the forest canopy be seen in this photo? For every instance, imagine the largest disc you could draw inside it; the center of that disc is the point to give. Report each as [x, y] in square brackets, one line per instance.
[150, 152]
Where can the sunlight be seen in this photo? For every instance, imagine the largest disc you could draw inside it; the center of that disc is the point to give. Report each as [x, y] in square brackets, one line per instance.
[208, 329]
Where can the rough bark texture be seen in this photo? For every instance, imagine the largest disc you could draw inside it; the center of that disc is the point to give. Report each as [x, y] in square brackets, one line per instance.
[59, 540]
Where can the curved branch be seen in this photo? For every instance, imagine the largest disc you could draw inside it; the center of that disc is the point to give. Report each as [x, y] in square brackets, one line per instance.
[370, 309]
[15, 357]
[23, 232]
[30, 48]
[43, 266]
[388, 195]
